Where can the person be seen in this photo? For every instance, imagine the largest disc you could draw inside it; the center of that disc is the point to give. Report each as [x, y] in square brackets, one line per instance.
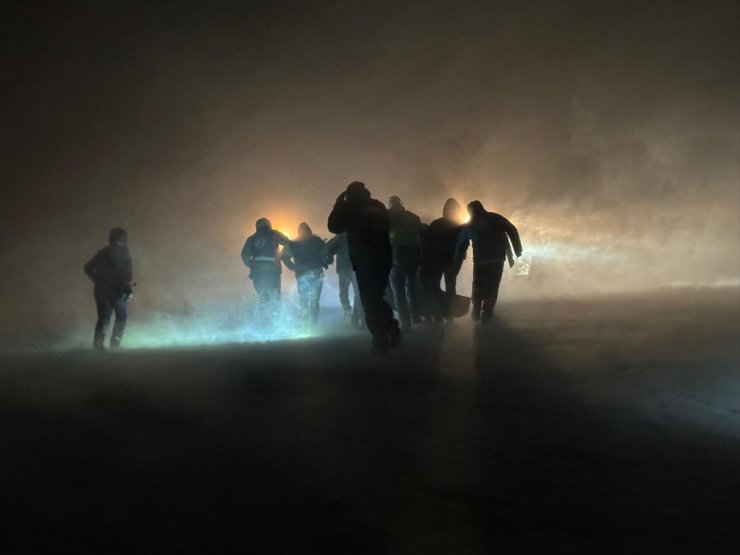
[405, 237]
[261, 255]
[111, 271]
[365, 220]
[490, 234]
[439, 242]
[305, 257]
[338, 248]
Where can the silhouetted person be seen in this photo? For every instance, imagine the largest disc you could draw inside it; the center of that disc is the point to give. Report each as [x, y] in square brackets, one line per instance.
[405, 236]
[261, 255]
[337, 248]
[439, 242]
[365, 220]
[305, 256]
[111, 270]
[490, 234]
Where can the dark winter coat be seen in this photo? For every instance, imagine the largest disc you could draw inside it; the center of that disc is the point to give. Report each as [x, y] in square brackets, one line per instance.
[263, 248]
[338, 247]
[111, 270]
[490, 233]
[304, 255]
[365, 220]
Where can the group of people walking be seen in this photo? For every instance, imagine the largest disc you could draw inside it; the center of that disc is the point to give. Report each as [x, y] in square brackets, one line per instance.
[374, 246]
[379, 245]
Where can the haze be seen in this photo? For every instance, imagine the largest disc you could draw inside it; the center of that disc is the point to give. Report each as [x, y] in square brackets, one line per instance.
[608, 133]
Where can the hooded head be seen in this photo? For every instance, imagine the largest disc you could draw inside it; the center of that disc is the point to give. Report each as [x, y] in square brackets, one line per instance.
[475, 209]
[263, 224]
[451, 210]
[356, 191]
[117, 236]
[394, 203]
[304, 231]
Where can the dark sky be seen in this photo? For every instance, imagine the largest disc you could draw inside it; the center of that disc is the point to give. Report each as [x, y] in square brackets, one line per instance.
[609, 132]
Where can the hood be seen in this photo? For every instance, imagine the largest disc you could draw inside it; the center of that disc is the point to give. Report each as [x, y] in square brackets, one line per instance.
[475, 208]
[117, 235]
[356, 191]
[394, 203]
[304, 231]
[263, 224]
[451, 210]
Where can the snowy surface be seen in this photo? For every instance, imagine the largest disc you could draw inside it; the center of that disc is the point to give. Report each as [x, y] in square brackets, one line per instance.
[591, 425]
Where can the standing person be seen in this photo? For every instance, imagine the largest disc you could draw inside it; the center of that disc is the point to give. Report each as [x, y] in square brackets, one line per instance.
[261, 255]
[405, 236]
[111, 270]
[338, 247]
[438, 259]
[305, 256]
[490, 234]
[365, 220]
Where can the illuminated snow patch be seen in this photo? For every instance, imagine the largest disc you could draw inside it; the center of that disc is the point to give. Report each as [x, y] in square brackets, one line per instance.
[182, 331]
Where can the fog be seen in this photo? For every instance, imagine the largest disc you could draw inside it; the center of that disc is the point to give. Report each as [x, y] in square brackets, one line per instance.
[609, 134]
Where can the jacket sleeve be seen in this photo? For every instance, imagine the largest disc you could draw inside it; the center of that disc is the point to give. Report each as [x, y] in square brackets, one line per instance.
[513, 234]
[339, 217]
[463, 241]
[245, 254]
[91, 268]
[129, 269]
[286, 257]
[282, 239]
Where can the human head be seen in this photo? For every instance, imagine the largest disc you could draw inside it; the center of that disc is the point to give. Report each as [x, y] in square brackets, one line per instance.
[452, 209]
[304, 231]
[263, 224]
[117, 236]
[394, 203]
[357, 191]
[475, 209]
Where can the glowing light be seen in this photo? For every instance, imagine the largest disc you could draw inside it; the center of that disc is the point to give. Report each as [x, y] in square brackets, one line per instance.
[209, 326]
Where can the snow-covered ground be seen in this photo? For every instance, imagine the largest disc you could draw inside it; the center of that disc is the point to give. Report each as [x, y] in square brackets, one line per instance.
[582, 425]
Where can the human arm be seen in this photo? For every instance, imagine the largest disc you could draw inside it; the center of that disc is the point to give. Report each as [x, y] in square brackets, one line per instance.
[509, 255]
[281, 238]
[513, 234]
[339, 216]
[246, 256]
[91, 268]
[463, 241]
[286, 257]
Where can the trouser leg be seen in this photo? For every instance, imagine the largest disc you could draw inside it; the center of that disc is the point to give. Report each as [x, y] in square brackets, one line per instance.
[450, 277]
[309, 292]
[267, 285]
[480, 278]
[378, 314]
[412, 292]
[120, 307]
[495, 272]
[315, 298]
[303, 282]
[398, 286]
[434, 293]
[345, 279]
[105, 311]
[358, 314]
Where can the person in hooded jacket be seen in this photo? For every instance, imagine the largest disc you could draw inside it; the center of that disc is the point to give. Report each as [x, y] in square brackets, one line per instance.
[405, 237]
[305, 257]
[337, 248]
[490, 234]
[365, 220]
[261, 254]
[439, 242]
[111, 270]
